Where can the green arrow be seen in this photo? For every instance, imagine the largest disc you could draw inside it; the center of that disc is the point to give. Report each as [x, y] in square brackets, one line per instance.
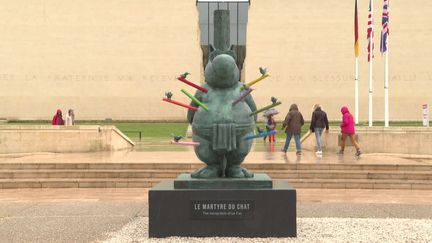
[265, 108]
[195, 99]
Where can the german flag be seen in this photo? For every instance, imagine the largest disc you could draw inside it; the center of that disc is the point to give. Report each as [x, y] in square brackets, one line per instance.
[356, 39]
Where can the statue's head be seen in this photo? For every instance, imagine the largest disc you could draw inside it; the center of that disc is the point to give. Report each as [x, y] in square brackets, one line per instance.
[221, 70]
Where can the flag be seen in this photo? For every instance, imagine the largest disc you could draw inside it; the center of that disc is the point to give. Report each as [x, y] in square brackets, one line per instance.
[385, 30]
[356, 40]
[370, 33]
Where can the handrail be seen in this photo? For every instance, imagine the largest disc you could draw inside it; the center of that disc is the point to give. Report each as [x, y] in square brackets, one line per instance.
[139, 133]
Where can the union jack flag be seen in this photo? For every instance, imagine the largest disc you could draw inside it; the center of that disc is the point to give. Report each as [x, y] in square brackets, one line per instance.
[385, 29]
[370, 33]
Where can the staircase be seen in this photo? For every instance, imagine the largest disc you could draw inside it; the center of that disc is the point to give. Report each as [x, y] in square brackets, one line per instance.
[146, 175]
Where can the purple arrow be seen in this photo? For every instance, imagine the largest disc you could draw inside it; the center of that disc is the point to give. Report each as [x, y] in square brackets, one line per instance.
[242, 96]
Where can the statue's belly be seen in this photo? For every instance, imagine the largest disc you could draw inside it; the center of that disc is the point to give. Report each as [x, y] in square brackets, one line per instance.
[221, 110]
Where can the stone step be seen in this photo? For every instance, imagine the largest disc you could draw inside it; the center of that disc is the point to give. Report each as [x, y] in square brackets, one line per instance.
[362, 184]
[86, 173]
[97, 166]
[193, 166]
[147, 183]
[161, 174]
[349, 174]
[78, 183]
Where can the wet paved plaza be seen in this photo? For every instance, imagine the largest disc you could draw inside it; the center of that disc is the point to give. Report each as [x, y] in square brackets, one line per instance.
[161, 151]
[121, 215]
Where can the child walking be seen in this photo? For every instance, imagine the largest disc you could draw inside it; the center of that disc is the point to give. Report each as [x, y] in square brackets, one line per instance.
[271, 126]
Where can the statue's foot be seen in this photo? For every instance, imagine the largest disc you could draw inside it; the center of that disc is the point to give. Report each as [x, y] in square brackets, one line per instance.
[210, 171]
[236, 171]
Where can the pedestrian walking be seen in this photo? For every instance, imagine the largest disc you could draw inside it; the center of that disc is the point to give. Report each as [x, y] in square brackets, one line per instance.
[270, 123]
[292, 125]
[70, 118]
[348, 130]
[319, 122]
[58, 118]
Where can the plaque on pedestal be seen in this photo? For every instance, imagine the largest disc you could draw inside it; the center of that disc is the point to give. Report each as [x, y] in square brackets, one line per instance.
[223, 212]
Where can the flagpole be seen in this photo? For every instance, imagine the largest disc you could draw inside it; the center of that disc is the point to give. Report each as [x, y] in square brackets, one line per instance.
[356, 92]
[386, 88]
[356, 54]
[370, 67]
[370, 91]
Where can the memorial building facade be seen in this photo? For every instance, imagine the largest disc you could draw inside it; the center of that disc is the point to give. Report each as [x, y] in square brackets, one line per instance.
[115, 59]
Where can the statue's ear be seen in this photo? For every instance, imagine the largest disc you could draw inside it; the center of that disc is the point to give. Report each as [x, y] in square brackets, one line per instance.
[232, 52]
[211, 48]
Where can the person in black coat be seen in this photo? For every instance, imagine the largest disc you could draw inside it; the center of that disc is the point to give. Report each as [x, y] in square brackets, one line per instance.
[319, 121]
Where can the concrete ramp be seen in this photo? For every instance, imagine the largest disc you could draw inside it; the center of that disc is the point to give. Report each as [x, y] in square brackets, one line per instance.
[61, 139]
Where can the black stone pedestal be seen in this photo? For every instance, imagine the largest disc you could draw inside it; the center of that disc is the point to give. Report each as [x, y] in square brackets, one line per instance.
[259, 181]
[264, 212]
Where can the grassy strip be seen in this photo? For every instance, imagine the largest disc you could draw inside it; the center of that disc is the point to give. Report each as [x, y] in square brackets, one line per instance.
[131, 129]
[164, 129]
[305, 127]
[154, 130]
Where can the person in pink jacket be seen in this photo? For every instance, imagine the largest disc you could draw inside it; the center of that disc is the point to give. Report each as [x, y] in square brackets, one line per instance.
[348, 130]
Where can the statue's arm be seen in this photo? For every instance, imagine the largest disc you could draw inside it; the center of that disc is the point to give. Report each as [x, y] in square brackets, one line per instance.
[251, 103]
[191, 113]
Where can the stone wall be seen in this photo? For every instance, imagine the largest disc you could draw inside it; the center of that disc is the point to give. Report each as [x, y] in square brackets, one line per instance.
[115, 59]
[309, 49]
[104, 58]
[61, 139]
